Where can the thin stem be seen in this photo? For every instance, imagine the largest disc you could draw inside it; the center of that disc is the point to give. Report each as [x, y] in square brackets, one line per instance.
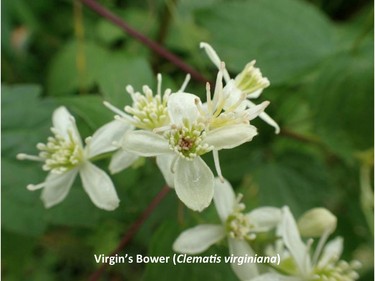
[79, 32]
[133, 229]
[99, 9]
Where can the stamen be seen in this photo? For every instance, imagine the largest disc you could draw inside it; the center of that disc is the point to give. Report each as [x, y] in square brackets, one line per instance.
[114, 109]
[158, 77]
[208, 97]
[187, 79]
[23, 156]
[217, 164]
[33, 187]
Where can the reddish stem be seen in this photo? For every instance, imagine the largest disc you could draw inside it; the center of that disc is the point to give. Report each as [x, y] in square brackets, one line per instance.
[133, 229]
[99, 9]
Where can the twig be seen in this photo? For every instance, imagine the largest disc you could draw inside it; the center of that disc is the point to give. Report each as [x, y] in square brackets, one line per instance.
[133, 230]
[99, 9]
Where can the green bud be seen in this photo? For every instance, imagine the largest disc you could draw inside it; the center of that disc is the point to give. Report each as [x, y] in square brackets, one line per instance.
[317, 221]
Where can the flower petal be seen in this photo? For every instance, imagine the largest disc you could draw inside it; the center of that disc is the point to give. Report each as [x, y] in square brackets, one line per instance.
[57, 186]
[230, 136]
[198, 239]
[264, 218]
[224, 198]
[121, 160]
[293, 242]
[164, 163]
[64, 123]
[103, 139]
[232, 95]
[333, 249]
[99, 187]
[214, 58]
[182, 106]
[266, 118]
[240, 248]
[194, 183]
[145, 143]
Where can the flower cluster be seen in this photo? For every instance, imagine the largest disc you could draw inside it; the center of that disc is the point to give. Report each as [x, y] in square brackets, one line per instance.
[241, 230]
[178, 129]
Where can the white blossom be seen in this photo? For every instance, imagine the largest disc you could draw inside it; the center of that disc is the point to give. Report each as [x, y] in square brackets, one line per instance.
[247, 85]
[179, 146]
[64, 156]
[323, 264]
[237, 227]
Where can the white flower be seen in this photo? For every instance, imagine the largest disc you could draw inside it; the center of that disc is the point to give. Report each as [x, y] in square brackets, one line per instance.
[325, 263]
[247, 85]
[225, 108]
[147, 112]
[238, 227]
[64, 157]
[178, 148]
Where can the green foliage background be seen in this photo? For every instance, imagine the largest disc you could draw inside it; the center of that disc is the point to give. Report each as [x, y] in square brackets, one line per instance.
[318, 56]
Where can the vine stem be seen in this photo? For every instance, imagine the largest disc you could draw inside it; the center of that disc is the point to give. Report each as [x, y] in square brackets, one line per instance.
[99, 9]
[133, 229]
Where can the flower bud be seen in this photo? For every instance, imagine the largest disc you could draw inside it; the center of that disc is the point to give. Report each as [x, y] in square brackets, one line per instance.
[317, 221]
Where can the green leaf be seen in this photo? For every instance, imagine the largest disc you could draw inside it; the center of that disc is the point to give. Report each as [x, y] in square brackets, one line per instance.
[286, 37]
[296, 179]
[342, 102]
[108, 32]
[75, 68]
[118, 72]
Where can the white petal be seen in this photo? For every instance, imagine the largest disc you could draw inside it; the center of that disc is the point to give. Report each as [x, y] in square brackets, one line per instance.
[214, 58]
[265, 218]
[164, 163]
[230, 136]
[64, 123]
[255, 111]
[333, 249]
[99, 187]
[266, 118]
[121, 160]
[224, 198]
[293, 242]
[198, 239]
[255, 94]
[194, 183]
[241, 248]
[145, 143]
[231, 95]
[103, 139]
[183, 106]
[57, 187]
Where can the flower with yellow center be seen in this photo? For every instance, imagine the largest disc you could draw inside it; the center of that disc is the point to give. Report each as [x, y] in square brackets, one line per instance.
[64, 156]
[179, 146]
[238, 227]
[325, 264]
[247, 85]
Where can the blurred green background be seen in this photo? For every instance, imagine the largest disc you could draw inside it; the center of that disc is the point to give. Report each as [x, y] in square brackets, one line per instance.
[318, 56]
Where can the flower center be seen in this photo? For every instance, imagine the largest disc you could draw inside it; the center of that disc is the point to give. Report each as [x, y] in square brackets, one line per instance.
[149, 111]
[60, 154]
[336, 271]
[238, 225]
[187, 140]
[251, 79]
